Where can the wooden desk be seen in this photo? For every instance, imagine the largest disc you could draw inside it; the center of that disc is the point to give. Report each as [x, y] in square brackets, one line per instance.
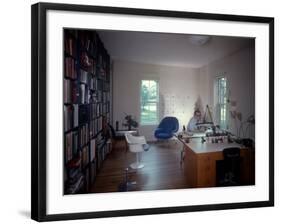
[200, 163]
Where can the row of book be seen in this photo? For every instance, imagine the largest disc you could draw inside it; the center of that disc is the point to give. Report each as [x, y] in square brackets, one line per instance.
[88, 42]
[96, 126]
[70, 68]
[70, 45]
[71, 117]
[88, 78]
[70, 91]
[92, 149]
[90, 175]
[102, 151]
[75, 179]
[77, 93]
[88, 153]
[71, 145]
[75, 184]
[80, 94]
[83, 135]
[75, 114]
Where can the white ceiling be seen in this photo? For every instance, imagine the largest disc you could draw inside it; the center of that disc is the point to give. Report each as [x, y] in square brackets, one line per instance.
[168, 49]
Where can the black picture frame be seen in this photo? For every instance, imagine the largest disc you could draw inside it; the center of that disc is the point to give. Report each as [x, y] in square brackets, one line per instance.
[38, 110]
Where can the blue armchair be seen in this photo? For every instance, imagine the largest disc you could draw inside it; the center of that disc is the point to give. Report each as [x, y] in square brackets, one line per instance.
[167, 127]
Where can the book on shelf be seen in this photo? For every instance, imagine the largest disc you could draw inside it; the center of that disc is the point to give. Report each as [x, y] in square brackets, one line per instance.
[75, 145]
[83, 134]
[68, 146]
[99, 95]
[70, 45]
[93, 83]
[75, 115]
[85, 156]
[83, 93]
[75, 185]
[67, 91]
[83, 76]
[91, 129]
[68, 117]
[93, 172]
[99, 84]
[70, 68]
[71, 115]
[84, 114]
[92, 149]
[70, 93]
[92, 111]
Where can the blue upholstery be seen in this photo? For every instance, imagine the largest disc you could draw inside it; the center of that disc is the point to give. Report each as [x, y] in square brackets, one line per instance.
[167, 127]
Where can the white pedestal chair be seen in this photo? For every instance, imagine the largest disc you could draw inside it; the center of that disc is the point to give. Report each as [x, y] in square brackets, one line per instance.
[137, 144]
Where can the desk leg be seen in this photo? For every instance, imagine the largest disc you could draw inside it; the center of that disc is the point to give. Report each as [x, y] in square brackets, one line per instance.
[182, 156]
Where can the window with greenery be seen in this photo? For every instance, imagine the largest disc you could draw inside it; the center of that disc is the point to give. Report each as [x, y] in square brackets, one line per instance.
[222, 102]
[149, 102]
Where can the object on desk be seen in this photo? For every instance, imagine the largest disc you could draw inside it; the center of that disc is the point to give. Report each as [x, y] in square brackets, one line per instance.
[137, 144]
[167, 128]
[117, 125]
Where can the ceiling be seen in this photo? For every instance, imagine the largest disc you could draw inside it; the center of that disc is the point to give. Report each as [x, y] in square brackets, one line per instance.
[168, 49]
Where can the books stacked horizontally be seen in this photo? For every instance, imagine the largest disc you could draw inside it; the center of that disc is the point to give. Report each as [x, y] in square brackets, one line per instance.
[75, 181]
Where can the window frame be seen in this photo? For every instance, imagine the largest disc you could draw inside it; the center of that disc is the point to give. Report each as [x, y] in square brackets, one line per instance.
[224, 126]
[156, 102]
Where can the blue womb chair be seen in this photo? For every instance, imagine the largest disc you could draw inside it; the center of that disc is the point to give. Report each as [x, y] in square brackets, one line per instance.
[166, 129]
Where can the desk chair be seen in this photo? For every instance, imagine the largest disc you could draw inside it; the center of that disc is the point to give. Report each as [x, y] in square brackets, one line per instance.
[228, 169]
[137, 144]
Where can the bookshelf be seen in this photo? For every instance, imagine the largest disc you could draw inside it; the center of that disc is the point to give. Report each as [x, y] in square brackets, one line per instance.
[87, 103]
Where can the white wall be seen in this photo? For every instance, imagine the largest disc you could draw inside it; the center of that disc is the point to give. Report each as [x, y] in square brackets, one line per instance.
[239, 69]
[178, 91]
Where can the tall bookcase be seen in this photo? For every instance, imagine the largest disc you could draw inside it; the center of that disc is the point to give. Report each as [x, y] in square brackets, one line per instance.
[87, 101]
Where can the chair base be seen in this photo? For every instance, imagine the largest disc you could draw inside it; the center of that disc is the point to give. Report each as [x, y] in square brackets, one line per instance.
[127, 186]
[136, 165]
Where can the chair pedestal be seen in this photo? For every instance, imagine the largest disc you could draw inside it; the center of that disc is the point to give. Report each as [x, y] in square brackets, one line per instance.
[127, 185]
[137, 164]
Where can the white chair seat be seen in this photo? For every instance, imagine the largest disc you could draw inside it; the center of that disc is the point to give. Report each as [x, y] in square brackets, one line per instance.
[136, 144]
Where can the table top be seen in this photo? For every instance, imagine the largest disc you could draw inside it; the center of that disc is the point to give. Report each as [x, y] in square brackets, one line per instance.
[191, 134]
[199, 147]
[122, 132]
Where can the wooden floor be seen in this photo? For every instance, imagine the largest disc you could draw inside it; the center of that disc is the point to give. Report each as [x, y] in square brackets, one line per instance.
[162, 169]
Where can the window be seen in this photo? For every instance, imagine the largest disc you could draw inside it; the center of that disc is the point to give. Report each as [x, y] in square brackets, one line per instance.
[149, 102]
[222, 102]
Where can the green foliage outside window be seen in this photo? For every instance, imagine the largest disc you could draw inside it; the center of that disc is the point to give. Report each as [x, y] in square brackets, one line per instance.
[149, 102]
